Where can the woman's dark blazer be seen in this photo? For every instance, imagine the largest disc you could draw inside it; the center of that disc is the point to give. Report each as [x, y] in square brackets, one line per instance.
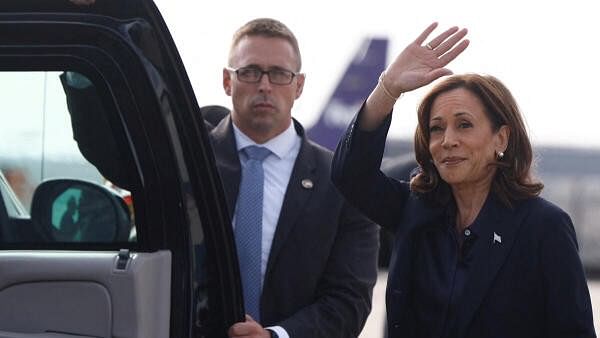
[526, 280]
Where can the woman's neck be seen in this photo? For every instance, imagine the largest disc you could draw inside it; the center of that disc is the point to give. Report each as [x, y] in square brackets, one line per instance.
[469, 201]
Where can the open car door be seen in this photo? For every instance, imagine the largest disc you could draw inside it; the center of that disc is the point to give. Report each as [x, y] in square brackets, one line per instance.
[126, 231]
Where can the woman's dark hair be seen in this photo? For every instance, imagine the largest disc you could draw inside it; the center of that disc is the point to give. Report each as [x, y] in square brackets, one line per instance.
[513, 179]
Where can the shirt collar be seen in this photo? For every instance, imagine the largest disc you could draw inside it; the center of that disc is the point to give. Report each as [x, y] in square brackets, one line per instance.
[279, 145]
[478, 226]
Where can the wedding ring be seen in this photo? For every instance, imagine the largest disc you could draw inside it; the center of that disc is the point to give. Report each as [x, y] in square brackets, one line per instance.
[429, 46]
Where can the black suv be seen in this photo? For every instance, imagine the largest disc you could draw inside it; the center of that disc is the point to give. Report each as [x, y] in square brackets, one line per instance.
[86, 262]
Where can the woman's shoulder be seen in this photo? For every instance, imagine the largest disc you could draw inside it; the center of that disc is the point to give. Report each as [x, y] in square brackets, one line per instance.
[546, 218]
[542, 208]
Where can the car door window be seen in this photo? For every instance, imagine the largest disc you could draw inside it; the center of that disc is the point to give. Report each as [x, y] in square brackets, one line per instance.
[48, 135]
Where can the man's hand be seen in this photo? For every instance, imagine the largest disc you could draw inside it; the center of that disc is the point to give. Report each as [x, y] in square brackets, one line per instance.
[248, 329]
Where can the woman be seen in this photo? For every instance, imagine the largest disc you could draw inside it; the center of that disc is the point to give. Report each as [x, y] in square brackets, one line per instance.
[477, 253]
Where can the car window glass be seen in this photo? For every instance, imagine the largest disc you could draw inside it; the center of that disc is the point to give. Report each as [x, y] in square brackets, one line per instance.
[13, 205]
[36, 145]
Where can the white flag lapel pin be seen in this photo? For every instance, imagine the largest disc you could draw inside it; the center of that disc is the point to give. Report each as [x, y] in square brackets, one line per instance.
[497, 238]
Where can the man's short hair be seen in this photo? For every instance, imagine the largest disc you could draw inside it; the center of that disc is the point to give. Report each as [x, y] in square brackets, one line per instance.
[269, 28]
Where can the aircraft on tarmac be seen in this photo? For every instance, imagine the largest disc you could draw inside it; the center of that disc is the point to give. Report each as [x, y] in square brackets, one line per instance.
[571, 175]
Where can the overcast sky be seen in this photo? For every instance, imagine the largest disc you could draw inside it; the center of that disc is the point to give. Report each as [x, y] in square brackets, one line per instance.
[545, 53]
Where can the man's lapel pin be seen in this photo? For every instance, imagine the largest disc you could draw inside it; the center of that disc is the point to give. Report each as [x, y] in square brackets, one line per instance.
[307, 183]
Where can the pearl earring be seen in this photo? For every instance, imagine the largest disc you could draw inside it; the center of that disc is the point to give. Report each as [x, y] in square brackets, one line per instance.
[500, 155]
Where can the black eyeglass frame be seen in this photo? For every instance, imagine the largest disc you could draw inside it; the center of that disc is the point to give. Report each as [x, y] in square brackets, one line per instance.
[262, 73]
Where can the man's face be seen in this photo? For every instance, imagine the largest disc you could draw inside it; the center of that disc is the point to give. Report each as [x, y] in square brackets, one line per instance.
[262, 110]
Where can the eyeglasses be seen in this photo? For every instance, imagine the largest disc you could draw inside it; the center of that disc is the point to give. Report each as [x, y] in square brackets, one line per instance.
[277, 76]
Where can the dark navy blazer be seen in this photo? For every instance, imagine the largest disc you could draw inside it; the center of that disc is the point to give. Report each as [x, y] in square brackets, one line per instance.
[526, 279]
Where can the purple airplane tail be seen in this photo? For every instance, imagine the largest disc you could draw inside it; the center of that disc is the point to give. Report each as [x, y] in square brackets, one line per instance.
[359, 79]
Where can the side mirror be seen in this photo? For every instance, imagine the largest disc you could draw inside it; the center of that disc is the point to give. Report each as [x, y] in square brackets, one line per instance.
[67, 210]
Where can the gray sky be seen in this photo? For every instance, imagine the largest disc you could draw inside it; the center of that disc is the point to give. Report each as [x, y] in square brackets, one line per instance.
[544, 52]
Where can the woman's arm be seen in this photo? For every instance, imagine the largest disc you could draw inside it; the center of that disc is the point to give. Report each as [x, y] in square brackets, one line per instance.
[355, 169]
[568, 308]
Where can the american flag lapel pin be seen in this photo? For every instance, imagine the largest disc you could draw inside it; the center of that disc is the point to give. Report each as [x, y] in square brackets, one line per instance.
[497, 238]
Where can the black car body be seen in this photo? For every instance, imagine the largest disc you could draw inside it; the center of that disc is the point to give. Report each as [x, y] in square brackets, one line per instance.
[178, 275]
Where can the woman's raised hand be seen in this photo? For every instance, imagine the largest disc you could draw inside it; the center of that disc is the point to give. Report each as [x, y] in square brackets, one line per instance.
[420, 63]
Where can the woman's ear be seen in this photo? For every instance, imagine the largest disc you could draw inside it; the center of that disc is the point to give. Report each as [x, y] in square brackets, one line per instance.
[502, 137]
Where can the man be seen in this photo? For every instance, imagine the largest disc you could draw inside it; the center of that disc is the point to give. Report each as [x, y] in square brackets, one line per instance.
[317, 254]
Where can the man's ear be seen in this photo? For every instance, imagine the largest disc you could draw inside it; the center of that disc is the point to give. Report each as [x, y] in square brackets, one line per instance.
[227, 81]
[300, 84]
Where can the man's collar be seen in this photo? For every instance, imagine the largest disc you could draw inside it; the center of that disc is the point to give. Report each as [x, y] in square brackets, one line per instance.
[279, 145]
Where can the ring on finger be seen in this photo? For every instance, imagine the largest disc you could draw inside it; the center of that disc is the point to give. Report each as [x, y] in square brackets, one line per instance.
[429, 46]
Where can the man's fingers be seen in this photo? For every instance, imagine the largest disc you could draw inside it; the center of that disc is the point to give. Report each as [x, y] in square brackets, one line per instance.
[239, 329]
[249, 328]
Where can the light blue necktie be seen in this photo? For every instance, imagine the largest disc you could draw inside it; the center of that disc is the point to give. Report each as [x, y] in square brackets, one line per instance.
[248, 228]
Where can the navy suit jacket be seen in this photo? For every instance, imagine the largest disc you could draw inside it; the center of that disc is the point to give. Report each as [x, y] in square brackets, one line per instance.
[323, 260]
[528, 282]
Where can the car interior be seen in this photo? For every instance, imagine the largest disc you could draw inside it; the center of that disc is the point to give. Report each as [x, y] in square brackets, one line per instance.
[104, 293]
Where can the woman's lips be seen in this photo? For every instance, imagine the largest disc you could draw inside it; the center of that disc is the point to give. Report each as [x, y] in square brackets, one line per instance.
[453, 160]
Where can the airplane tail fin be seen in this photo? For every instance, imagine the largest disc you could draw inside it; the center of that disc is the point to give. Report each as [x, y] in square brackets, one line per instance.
[357, 82]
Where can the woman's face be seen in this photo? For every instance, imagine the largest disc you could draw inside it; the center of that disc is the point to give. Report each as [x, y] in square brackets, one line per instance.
[462, 142]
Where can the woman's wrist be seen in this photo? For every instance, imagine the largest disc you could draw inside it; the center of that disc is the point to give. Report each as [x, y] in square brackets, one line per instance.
[386, 89]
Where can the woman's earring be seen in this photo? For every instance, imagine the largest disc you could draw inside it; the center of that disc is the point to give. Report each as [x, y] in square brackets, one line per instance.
[500, 155]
